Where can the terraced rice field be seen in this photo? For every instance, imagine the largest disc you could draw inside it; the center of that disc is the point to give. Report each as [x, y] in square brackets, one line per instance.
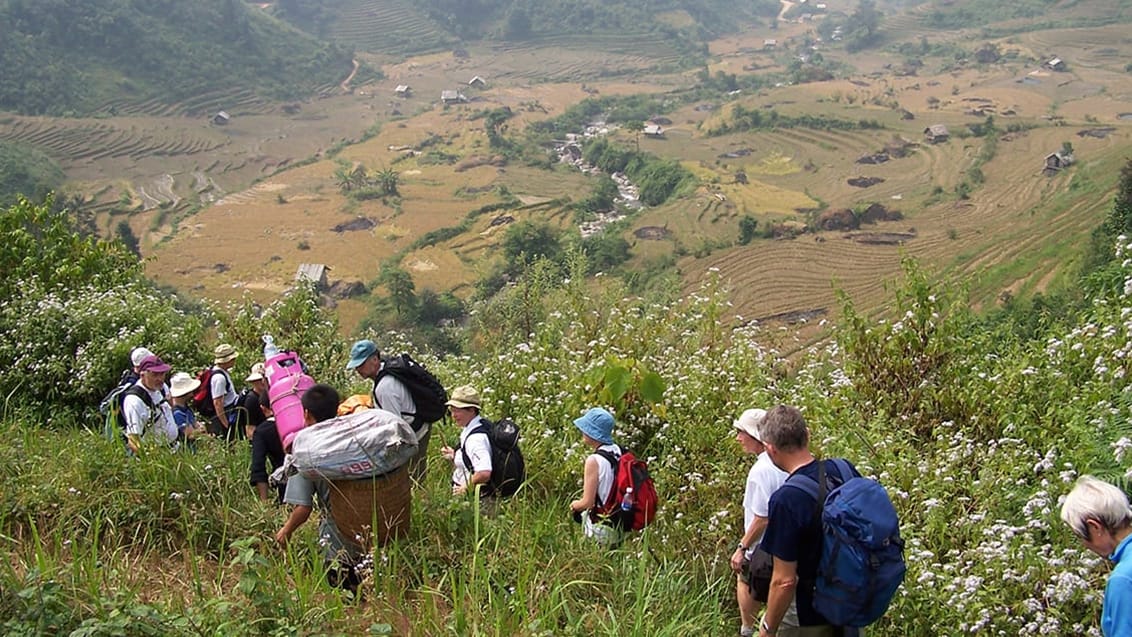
[566, 58]
[79, 141]
[390, 26]
[235, 101]
[1010, 234]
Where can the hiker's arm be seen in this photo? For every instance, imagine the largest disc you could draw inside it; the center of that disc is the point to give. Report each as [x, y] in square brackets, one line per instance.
[782, 585]
[299, 515]
[758, 525]
[589, 488]
[218, 405]
[133, 441]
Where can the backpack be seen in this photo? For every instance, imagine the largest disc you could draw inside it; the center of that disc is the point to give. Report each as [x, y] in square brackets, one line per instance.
[629, 471]
[202, 396]
[508, 469]
[115, 423]
[862, 558]
[427, 392]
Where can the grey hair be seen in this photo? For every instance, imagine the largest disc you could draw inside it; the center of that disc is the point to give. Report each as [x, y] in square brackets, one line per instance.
[785, 428]
[1093, 499]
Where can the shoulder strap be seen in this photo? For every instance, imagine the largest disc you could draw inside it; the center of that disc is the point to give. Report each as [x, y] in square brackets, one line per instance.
[610, 457]
[140, 392]
[843, 469]
[483, 428]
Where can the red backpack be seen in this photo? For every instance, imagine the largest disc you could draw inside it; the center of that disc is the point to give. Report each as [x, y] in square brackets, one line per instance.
[202, 396]
[629, 472]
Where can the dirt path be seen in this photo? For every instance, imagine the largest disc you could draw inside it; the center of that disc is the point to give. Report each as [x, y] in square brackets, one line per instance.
[346, 82]
[786, 5]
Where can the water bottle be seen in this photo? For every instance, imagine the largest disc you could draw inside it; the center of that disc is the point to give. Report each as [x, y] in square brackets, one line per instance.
[627, 501]
[269, 348]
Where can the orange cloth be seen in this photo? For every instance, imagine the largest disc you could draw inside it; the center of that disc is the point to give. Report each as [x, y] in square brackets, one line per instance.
[354, 403]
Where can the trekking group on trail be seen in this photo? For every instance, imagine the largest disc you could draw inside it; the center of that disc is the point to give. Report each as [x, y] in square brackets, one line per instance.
[819, 553]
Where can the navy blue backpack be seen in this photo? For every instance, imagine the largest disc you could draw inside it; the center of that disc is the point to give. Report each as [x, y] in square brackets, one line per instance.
[862, 559]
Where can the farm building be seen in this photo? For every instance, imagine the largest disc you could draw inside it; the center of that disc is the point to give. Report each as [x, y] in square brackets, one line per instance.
[770, 43]
[477, 82]
[452, 97]
[403, 90]
[221, 118]
[936, 133]
[1056, 64]
[1058, 160]
[314, 272]
[653, 130]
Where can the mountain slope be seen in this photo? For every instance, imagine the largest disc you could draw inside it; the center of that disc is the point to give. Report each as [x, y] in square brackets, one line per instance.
[72, 56]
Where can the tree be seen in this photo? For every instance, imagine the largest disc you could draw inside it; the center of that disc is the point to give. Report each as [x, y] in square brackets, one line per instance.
[526, 241]
[635, 126]
[863, 26]
[128, 238]
[402, 291]
[387, 181]
[747, 226]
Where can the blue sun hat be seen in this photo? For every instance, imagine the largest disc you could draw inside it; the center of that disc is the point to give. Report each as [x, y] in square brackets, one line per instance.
[596, 423]
[360, 352]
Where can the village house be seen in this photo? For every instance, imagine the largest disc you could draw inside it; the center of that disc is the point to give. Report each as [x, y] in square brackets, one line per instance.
[477, 82]
[452, 97]
[403, 90]
[1058, 160]
[315, 273]
[1056, 64]
[653, 130]
[769, 43]
[221, 118]
[936, 134]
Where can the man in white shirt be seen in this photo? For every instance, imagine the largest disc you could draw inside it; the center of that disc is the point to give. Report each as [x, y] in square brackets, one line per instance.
[148, 405]
[762, 480]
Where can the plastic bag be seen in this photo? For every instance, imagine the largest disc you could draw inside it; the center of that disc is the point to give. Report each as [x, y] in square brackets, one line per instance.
[367, 443]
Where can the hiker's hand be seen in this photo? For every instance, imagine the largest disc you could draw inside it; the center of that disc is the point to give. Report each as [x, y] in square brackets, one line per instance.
[281, 538]
[448, 452]
[737, 560]
[459, 489]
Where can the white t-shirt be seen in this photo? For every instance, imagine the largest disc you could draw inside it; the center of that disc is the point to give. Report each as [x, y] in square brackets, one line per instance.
[762, 481]
[605, 474]
[219, 385]
[479, 452]
[138, 415]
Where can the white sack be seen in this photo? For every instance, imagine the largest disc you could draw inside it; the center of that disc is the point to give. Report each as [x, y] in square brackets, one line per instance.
[366, 443]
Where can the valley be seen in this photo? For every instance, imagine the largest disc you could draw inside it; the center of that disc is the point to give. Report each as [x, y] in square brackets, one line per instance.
[228, 209]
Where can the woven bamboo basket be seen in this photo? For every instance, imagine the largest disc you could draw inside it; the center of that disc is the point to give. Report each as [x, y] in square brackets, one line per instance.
[372, 509]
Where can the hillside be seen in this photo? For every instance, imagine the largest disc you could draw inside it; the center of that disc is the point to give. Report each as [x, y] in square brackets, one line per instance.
[403, 27]
[776, 144]
[67, 57]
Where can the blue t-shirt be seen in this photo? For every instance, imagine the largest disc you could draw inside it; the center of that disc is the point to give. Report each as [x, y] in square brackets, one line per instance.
[1116, 617]
[793, 535]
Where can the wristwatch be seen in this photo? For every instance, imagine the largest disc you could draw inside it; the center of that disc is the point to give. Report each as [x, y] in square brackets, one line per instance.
[742, 547]
[766, 628]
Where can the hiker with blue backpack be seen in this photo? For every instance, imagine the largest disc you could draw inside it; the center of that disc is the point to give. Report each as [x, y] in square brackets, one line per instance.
[834, 537]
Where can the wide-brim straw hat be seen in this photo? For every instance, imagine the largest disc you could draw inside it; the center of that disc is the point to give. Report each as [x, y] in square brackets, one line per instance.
[224, 353]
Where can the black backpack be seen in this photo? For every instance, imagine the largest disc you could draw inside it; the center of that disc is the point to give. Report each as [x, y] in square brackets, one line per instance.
[115, 424]
[508, 469]
[427, 392]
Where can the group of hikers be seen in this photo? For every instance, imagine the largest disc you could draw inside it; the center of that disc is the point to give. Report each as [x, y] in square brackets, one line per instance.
[819, 555]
